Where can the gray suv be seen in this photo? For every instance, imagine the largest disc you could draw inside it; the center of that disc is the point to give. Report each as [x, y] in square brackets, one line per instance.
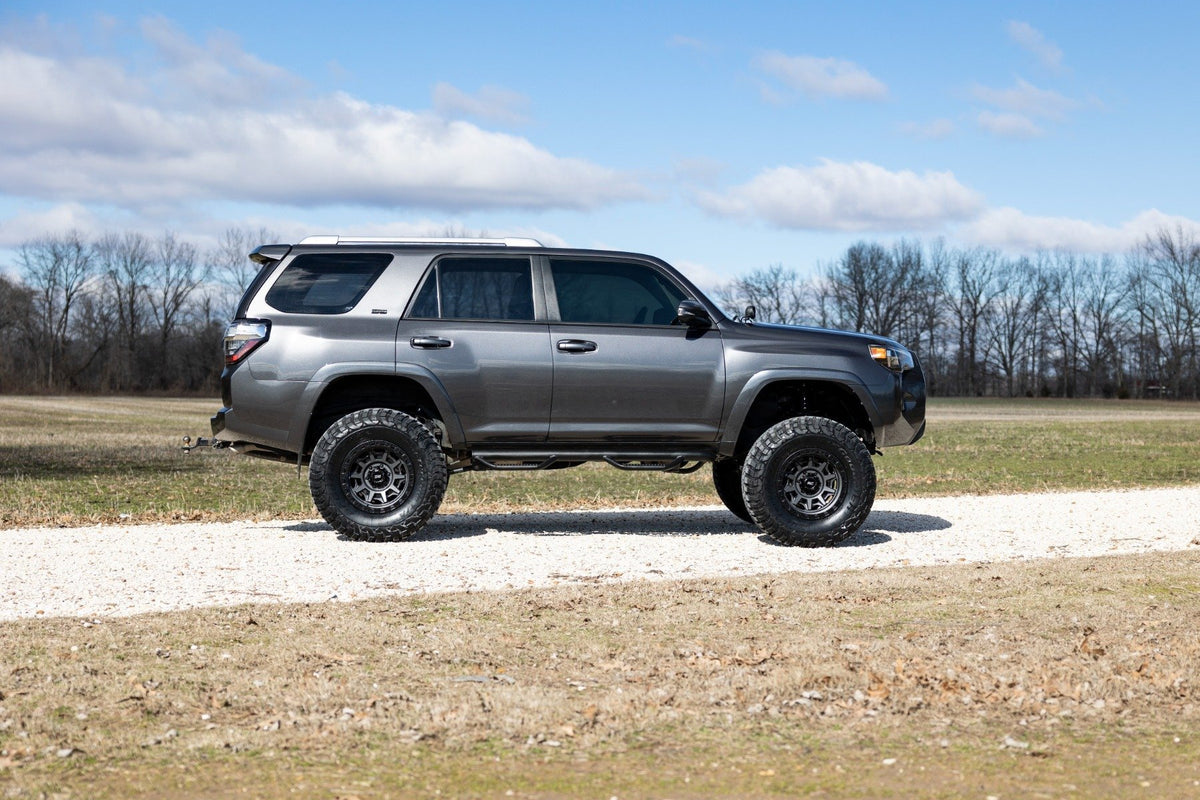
[388, 365]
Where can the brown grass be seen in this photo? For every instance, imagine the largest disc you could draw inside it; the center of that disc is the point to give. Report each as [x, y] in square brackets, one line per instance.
[989, 679]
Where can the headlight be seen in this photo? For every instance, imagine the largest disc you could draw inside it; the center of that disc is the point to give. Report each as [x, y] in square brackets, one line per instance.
[897, 359]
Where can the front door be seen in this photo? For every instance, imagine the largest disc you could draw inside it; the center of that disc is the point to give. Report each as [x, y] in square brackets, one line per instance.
[623, 371]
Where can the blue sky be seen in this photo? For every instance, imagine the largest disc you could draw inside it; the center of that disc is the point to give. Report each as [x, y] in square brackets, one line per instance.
[723, 137]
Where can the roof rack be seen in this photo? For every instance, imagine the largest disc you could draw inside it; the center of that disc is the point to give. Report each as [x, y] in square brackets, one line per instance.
[509, 241]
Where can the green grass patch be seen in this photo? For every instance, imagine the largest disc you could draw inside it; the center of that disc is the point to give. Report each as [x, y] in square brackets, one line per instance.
[78, 460]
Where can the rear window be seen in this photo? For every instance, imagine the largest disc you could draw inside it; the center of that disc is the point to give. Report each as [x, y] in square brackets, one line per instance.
[326, 283]
[477, 288]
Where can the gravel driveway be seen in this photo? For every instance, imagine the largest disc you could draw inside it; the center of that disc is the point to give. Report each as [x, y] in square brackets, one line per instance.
[112, 570]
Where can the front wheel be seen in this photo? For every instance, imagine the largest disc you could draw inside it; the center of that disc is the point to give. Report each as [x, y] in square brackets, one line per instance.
[809, 481]
[377, 475]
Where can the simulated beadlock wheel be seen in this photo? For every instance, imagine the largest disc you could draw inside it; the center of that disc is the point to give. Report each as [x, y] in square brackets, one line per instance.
[809, 481]
[727, 478]
[377, 475]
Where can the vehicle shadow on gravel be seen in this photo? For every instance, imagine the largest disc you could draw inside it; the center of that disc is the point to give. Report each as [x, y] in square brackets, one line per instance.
[642, 523]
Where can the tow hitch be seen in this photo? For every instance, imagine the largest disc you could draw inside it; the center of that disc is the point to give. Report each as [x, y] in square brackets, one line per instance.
[202, 441]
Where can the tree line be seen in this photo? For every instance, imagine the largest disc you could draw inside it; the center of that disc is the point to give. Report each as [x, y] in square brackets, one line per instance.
[133, 313]
[120, 313]
[982, 322]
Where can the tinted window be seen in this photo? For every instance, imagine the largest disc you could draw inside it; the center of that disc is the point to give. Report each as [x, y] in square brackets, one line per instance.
[326, 283]
[425, 306]
[613, 292]
[477, 288]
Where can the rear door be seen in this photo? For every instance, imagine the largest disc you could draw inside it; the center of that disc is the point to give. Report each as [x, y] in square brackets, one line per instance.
[474, 324]
[623, 371]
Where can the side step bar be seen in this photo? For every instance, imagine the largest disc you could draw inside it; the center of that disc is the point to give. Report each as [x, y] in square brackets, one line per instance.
[658, 462]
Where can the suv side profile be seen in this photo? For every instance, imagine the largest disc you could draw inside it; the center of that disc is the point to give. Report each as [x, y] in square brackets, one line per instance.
[387, 365]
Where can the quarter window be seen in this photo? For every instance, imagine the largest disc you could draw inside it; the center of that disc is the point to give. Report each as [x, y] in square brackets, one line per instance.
[477, 288]
[613, 292]
[326, 283]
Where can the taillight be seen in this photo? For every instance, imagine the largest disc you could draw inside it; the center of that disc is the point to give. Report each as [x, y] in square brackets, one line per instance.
[242, 336]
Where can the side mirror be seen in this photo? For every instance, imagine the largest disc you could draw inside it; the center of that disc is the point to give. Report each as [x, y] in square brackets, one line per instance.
[693, 314]
[750, 313]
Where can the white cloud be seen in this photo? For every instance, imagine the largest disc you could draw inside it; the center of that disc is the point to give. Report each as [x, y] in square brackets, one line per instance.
[1027, 99]
[934, 129]
[690, 43]
[706, 278]
[1012, 229]
[1035, 42]
[29, 225]
[211, 122]
[490, 103]
[857, 196]
[818, 77]
[1009, 125]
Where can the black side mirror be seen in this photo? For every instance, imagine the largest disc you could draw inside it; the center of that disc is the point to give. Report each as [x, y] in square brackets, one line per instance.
[749, 314]
[693, 314]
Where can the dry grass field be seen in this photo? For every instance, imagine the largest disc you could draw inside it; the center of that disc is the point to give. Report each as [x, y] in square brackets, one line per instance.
[1046, 678]
[1068, 678]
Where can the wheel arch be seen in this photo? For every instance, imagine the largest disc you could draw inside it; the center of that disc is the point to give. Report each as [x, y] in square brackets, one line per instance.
[772, 397]
[418, 395]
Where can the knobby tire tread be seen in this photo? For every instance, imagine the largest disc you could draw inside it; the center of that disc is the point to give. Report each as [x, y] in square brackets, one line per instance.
[429, 459]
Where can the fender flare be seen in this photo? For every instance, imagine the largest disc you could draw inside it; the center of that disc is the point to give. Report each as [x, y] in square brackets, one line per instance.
[325, 376]
[752, 388]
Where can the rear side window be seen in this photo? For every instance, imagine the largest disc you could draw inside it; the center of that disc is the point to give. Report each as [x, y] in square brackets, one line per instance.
[477, 288]
[613, 293]
[326, 283]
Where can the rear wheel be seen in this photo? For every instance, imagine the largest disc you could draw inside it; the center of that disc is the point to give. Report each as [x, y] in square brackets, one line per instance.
[377, 475]
[809, 481]
[727, 477]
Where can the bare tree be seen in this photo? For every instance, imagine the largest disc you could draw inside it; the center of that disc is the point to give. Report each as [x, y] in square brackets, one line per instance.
[127, 264]
[976, 287]
[1166, 284]
[229, 264]
[16, 310]
[177, 275]
[1104, 319]
[1012, 330]
[57, 270]
[877, 290]
[777, 294]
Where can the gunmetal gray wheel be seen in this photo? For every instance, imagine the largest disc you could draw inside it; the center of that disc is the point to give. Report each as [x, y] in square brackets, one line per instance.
[809, 481]
[812, 484]
[378, 475]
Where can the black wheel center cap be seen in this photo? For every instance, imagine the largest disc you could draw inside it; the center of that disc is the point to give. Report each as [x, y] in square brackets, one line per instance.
[378, 476]
[810, 482]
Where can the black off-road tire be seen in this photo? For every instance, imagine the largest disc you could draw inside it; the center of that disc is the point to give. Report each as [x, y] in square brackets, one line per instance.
[727, 478]
[377, 475]
[809, 481]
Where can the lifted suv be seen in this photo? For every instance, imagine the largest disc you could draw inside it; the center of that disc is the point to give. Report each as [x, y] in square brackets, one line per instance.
[388, 365]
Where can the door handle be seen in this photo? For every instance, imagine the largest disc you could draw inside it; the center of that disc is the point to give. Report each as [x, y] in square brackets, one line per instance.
[429, 342]
[575, 346]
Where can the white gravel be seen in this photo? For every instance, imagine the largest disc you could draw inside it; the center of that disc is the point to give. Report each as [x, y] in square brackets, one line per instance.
[117, 570]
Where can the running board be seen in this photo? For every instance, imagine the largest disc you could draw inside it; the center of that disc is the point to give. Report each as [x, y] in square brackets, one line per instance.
[657, 462]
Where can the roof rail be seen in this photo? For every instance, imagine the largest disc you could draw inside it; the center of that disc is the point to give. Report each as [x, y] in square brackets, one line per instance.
[509, 241]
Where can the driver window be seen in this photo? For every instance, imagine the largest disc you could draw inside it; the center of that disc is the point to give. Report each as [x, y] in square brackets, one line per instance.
[613, 292]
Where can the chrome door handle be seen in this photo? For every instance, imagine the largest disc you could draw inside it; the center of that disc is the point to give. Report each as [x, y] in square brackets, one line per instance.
[429, 342]
[576, 346]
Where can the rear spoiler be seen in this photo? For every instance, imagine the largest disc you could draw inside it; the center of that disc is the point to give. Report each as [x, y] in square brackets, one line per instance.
[266, 256]
[268, 253]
